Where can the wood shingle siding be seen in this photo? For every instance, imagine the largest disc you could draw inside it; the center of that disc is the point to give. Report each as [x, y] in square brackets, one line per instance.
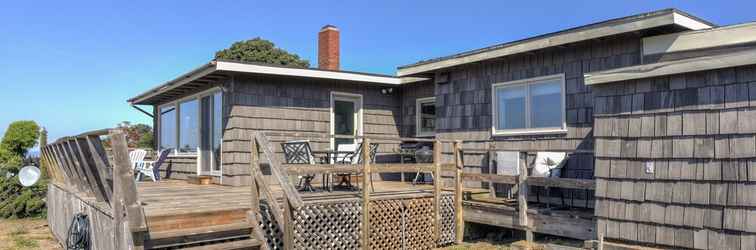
[259, 103]
[410, 94]
[464, 108]
[700, 130]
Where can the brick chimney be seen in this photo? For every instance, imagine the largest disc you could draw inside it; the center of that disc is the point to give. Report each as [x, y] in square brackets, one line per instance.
[328, 48]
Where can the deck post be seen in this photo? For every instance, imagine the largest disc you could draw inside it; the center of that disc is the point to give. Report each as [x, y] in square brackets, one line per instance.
[522, 197]
[491, 154]
[254, 166]
[366, 173]
[437, 189]
[254, 215]
[43, 164]
[458, 215]
[127, 200]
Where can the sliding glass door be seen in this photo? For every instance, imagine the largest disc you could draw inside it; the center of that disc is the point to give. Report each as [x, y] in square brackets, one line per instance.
[211, 127]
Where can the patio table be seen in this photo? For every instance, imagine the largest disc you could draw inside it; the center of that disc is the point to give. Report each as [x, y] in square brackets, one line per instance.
[330, 156]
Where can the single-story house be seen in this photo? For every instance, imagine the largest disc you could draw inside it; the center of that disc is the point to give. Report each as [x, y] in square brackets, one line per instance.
[661, 105]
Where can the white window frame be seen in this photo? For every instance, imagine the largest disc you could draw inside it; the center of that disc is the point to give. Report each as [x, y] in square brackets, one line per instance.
[359, 121]
[418, 118]
[177, 105]
[527, 130]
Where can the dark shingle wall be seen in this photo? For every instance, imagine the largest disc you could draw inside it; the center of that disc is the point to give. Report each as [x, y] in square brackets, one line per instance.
[295, 105]
[464, 104]
[410, 93]
[698, 129]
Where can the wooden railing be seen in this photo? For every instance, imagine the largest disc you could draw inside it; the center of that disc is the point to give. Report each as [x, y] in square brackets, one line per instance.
[280, 172]
[523, 182]
[80, 164]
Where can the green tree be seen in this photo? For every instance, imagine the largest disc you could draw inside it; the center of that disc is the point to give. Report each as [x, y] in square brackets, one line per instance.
[137, 135]
[261, 50]
[20, 137]
[17, 201]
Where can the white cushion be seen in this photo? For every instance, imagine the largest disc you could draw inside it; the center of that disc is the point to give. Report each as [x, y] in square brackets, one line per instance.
[545, 162]
[340, 157]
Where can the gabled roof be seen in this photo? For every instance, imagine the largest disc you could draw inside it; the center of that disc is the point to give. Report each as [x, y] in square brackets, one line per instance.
[607, 28]
[219, 69]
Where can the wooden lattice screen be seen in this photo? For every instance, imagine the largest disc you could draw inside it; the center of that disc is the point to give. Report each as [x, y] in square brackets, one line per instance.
[401, 223]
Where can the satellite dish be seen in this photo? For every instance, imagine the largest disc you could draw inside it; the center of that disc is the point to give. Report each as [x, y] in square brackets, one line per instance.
[29, 175]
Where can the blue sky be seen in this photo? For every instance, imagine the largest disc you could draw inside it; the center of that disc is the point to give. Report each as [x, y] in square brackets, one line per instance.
[71, 65]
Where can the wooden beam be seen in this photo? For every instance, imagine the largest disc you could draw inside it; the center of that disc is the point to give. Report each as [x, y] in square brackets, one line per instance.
[366, 193]
[254, 167]
[75, 179]
[83, 159]
[494, 149]
[275, 167]
[458, 186]
[522, 197]
[123, 180]
[437, 147]
[504, 179]
[587, 184]
[101, 163]
[71, 156]
[255, 217]
[300, 169]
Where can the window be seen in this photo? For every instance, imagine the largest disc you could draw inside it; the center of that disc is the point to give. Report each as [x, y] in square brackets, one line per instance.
[167, 127]
[188, 126]
[529, 106]
[425, 112]
[180, 124]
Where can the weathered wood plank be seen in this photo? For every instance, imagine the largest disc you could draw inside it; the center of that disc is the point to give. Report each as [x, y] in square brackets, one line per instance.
[458, 186]
[292, 195]
[123, 180]
[83, 159]
[366, 193]
[437, 147]
[100, 160]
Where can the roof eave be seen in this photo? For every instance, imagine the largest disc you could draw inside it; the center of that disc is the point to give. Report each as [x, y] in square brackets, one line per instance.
[190, 76]
[717, 61]
[262, 69]
[616, 27]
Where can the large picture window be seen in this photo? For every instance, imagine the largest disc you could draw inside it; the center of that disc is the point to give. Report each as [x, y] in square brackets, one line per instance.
[425, 112]
[188, 126]
[529, 106]
[180, 124]
[167, 127]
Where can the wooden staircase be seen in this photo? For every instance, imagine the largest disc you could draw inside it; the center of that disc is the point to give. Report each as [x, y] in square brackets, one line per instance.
[228, 229]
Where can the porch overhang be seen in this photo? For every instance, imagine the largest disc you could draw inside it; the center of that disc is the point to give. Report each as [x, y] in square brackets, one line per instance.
[217, 70]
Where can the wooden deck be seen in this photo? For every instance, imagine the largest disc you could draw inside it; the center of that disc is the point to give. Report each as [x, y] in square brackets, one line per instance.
[176, 204]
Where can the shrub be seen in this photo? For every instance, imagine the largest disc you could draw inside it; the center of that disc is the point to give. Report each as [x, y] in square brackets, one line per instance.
[17, 201]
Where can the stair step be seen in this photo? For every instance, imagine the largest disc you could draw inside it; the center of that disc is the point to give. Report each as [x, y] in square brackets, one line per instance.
[197, 219]
[198, 235]
[231, 245]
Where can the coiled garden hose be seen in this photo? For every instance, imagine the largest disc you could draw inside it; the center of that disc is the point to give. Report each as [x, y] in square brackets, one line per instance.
[78, 233]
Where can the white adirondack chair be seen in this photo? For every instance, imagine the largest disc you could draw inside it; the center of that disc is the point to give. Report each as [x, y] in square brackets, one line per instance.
[137, 158]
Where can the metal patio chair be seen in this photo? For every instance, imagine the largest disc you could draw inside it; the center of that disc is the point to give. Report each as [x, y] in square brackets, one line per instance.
[356, 158]
[300, 152]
